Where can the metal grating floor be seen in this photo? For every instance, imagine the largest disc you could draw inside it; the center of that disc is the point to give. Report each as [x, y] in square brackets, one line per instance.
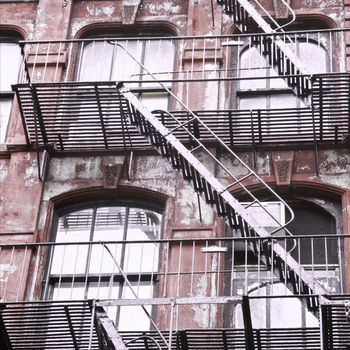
[87, 116]
[47, 325]
[68, 325]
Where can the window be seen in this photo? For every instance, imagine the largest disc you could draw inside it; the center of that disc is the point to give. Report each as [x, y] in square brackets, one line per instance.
[275, 109]
[270, 92]
[81, 267]
[107, 61]
[320, 256]
[9, 64]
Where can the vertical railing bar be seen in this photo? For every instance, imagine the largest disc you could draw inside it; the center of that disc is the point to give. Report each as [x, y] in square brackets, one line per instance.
[205, 261]
[57, 61]
[285, 266]
[179, 269]
[166, 269]
[192, 266]
[218, 272]
[181, 58]
[226, 61]
[10, 265]
[140, 269]
[111, 283]
[232, 266]
[126, 263]
[245, 266]
[312, 257]
[204, 54]
[92, 56]
[70, 50]
[340, 264]
[272, 264]
[79, 65]
[102, 68]
[46, 61]
[159, 55]
[153, 267]
[52, 248]
[92, 322]
[74, 271]
[34, 62]
[326, 256]
[299, 262]
[331, 51]
[259, 265]
[192, 58]
[215, 56]
[61, 271]
[100, 273]
[22, 273]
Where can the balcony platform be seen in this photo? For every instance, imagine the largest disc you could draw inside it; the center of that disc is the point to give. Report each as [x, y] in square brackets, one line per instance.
[87, 116]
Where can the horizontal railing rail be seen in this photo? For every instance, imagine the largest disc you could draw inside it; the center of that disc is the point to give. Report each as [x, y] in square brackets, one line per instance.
[160, 269]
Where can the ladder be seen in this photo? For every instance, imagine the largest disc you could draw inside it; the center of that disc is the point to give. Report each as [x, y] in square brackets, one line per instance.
[278, 53]
[217, 194]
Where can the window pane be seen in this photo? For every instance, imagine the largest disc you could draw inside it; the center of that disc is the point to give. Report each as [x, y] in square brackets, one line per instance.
[133, 318]
[143, 225]
[125, 67]
[5, 109]
[9, 64]
[159, 59]
[66, 291]
[96, 62]
[109, 226]
[315, 54]
[74, 227]
[253, 65]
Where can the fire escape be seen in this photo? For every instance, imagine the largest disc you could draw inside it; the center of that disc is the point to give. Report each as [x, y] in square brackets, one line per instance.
[180, 137]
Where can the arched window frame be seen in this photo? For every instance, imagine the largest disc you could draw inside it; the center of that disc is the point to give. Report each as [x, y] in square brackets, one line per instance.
[103, 279]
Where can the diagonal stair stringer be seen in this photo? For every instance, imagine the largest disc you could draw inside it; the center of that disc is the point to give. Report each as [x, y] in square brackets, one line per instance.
[280, 56]
[160, 137]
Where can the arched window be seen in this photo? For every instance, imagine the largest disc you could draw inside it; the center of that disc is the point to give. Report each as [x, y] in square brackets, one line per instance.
[96, 248]
[9, 65]
[274, 92]
[121, 59]
[317, 249]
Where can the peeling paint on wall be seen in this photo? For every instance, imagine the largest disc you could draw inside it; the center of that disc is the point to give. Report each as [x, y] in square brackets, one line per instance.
[96, 10]
[335, 163]
[6, 270]
[162, 8]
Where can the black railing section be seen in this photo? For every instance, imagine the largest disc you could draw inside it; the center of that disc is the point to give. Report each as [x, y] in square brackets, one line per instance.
[71, 325]
[86, 116]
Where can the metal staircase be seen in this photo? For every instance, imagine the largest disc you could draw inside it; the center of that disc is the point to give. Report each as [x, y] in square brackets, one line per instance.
[217, 193]
[279, 54]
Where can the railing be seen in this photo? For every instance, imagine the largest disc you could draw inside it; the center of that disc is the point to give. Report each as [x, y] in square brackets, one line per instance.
[70, 125]
[191, 268]
[174, 59]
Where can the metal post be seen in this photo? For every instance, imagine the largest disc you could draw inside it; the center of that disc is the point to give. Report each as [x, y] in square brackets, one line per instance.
[248, 328]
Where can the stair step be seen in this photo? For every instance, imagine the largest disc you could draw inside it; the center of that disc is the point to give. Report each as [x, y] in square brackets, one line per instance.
[276, 51]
